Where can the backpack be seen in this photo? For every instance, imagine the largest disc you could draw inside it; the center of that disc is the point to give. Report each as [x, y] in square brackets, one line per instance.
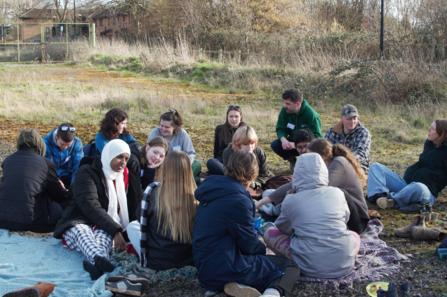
[90, 149]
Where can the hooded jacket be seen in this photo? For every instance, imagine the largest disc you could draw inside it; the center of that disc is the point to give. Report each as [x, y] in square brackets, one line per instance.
[90, 202]
[67, 162]
[30, 192]
[317, 215]
[226, 247]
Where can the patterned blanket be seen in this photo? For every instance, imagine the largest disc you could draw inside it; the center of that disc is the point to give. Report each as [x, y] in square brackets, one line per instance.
[129, 263]
[374, 260]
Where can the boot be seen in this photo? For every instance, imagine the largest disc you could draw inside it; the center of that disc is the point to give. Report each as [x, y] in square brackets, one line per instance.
[38, 290]
[421, 233]
[406, 231]
[385, 203]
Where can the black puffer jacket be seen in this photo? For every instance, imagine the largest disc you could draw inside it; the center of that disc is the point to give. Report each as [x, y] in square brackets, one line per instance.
[89, 203]
[30, 192]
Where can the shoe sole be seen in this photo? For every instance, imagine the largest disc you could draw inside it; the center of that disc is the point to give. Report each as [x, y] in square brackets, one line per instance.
[388, 204]
[235, 290]
[406, 235]
[124, 292]
[144, 282]
[31, 292]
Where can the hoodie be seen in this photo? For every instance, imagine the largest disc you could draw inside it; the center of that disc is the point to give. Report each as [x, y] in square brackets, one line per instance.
[316, 216]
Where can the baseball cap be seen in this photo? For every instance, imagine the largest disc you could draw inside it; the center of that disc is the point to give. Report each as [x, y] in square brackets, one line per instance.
[348, 111]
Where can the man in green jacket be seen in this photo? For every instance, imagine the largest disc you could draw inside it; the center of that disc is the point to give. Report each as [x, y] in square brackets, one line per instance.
[295, 115]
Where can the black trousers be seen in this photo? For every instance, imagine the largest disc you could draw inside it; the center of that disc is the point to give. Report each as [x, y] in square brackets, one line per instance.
[355, 223]
[284, 284]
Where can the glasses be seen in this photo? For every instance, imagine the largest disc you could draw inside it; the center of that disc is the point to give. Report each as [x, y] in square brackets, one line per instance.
[66, 128]
[301, 148]
[237, 107]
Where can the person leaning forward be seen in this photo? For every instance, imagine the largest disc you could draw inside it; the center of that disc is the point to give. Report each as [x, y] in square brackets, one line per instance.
[295, 115]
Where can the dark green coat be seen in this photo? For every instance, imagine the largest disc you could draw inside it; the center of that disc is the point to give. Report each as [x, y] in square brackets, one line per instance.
[305, 118]
[431, 169]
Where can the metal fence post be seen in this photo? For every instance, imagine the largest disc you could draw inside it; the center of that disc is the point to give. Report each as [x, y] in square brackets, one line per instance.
[66, 42]
[220, 55]
[94, 35]
[18, 43]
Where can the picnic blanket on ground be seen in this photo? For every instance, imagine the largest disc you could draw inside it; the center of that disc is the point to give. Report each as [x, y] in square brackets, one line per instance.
[129, 263]
[374, 260]
[26, 260]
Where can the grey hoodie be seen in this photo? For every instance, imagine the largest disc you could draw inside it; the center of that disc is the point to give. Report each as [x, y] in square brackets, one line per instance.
[317, 214]
[180, 142]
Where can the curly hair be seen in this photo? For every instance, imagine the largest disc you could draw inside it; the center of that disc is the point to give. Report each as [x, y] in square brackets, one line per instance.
[175, 118]
[325, 149]
[303, 135]
[243, 167]
[293, 95]
[109, 124]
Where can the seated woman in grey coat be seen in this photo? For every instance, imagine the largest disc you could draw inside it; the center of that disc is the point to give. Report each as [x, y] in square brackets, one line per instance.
[315, 217]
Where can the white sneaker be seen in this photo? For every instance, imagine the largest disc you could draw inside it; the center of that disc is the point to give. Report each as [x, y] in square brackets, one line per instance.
[238, 290]
[385, 203]
[271, 293]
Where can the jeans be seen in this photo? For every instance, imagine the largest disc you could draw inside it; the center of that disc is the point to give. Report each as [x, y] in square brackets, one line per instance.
[134, 234]
[284, 284]
[383, 180]
[215, 167]
[276, 146]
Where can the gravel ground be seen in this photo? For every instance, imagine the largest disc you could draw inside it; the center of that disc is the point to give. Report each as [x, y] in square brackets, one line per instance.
[427, 274]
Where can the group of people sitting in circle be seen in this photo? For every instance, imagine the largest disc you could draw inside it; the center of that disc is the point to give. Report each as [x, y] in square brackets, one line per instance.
[148, 196]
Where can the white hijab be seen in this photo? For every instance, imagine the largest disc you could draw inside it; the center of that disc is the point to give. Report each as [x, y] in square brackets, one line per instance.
[112, 149]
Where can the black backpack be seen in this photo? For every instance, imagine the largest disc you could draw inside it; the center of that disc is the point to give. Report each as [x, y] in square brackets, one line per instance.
[90, 149]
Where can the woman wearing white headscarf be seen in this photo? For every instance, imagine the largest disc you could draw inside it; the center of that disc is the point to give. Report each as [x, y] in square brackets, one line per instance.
[98, 212]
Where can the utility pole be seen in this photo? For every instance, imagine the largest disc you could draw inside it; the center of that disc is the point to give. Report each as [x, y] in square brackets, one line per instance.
[381, 30]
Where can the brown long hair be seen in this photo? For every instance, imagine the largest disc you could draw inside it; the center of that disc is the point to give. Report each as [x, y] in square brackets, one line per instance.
[441, 129]
[109, 125]
[175, 200]
[154, 142]
[226, 132]
[243, 135]
[175, 118]
[326, 149]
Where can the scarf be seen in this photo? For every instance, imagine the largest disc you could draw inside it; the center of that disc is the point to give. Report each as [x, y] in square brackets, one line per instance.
[143, 221]
[117, 195]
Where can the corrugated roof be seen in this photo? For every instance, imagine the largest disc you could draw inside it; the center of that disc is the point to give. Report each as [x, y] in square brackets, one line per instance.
[35, 13]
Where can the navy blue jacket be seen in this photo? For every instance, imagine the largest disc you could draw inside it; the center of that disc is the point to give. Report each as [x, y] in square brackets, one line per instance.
[226, 247]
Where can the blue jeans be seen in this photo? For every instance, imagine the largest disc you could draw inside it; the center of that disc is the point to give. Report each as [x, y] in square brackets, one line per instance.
[215, 167]
[383, 180]
[276, 146]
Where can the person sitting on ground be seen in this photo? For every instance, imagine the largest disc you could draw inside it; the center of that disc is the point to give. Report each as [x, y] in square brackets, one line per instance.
[352, 134]
[227, 252]
[246, 139]
[223, 136]
[163, 236]
[152, 156]
[296, 114]
[31, 196]
[311, 228]
[114, 126]
[422, 181]
[98, 213]
[171, 124]
[345, 173]
[65, 150]
[301, 138]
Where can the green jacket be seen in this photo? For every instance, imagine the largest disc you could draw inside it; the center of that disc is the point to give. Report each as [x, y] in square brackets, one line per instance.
[305, 118]
[431, 169]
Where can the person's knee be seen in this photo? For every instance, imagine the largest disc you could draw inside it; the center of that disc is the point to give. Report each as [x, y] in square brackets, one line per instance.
[276, 145]
[420, 189]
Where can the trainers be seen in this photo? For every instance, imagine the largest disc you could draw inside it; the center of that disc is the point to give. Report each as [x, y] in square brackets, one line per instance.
[134, 278]
[125, 287]
[238, 290]
[270, 292]
[385, 203]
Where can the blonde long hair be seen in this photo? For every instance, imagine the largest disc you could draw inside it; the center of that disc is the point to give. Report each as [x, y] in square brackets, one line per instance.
[175, 202]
